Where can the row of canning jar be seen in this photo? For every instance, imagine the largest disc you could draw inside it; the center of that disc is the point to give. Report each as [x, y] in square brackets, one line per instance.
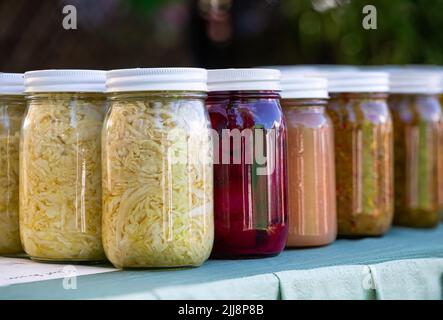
[169, 179]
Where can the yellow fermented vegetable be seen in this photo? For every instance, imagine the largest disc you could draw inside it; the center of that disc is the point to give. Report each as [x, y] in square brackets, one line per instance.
[12, 109]
[157, 181]
[60, 181]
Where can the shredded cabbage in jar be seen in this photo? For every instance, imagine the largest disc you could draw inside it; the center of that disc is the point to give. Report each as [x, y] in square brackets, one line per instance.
[60, 181]
[11, 114]
[157, 184]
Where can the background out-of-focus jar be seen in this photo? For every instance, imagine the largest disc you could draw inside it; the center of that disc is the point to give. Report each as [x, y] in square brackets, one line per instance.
[418, 141]
[311, 163]
[157, 169]
[12, 109]
[363, 152]
[250, 184]
[440, 144]
[60, 165]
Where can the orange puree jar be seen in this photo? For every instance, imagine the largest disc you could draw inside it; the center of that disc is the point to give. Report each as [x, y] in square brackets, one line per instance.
[311, 168]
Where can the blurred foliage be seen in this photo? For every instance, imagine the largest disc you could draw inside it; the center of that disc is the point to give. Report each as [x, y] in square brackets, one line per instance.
[146, 6]
[217, 33]
[330, 31]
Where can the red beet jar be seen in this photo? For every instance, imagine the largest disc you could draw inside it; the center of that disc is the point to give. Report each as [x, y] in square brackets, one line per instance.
[250, 183]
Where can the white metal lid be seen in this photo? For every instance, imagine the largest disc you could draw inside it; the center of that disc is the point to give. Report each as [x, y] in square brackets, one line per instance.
[342, 78]
[410, 81]
[12, 83]
[244, 80]
[65, 80]
[357, 81]
[156, 79]
[440, 71]
[296, 86]
[313, 68]
[302, 68]
[331, 67]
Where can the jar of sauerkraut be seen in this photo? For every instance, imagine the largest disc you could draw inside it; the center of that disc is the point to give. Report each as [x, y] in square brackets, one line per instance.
[60, 165]
[418, 142]
[250, 182]
[157, 169]
[12, 109]
[363, 152]
[311, 163]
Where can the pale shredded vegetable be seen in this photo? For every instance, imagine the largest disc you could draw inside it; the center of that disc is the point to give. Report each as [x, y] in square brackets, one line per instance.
[11, 114]
[60, 188]
[157, 183]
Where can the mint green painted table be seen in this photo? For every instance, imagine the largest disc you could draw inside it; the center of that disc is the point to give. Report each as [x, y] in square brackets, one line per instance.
[405, 263]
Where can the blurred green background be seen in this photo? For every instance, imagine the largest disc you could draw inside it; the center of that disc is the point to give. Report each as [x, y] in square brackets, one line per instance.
[217, 33]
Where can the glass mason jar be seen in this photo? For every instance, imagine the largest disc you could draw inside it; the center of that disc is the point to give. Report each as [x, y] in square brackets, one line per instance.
[157, 169]
[363, 152]
[311, 163]
[12, 109]
[418, 134]
[60, 165]
[440, 151]
[250, 183]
